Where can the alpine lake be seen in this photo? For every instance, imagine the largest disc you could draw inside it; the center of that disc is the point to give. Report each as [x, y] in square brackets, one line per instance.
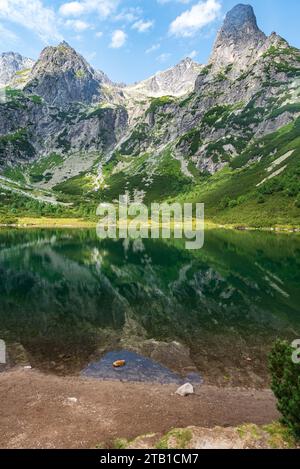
[68, 300]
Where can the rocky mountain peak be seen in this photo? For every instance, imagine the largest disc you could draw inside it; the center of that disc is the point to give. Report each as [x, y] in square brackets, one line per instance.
[60, 59]
[187, 61]
[175, 81]
[241, 17]
[238, 40]
[10, 64]
[62, 76]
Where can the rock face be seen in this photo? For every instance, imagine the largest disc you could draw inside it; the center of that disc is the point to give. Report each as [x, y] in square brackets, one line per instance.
[247, 90]
[30, 129]
[59, 110]
[238, 40]
[175, 81]
[10, 63]
[61, 76]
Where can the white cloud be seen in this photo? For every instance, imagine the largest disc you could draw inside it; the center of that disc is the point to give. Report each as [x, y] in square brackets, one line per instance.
[77, 8]
[118, 39]
[72, 9]
[99, 34]
[163, 57]
[78, 25]
[191, 21]
[152, 48]
[193, 54]
[33, 15]
[129, 15]
[142, 26]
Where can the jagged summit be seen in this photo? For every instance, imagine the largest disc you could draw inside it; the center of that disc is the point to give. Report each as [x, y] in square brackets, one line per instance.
[241, 19]
[238, 40]
[59, 59]
[62, 76]
[64, 44]
[187, 61]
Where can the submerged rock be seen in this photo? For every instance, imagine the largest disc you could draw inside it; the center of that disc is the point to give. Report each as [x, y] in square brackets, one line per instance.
[119, 363]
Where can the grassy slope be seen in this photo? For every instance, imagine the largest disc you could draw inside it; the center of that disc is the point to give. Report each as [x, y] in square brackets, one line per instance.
[231, 196]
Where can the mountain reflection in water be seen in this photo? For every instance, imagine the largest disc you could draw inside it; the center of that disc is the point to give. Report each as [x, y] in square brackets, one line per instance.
[67, 298]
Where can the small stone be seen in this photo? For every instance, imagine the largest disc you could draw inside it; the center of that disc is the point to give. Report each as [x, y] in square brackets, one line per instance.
[73, 400]
[185, 390]
[27, 367]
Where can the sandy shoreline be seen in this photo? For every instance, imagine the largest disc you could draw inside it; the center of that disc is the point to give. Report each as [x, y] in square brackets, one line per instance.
[36, 410]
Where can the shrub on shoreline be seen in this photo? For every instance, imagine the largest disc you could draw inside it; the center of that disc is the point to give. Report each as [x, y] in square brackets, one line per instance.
[286, 384]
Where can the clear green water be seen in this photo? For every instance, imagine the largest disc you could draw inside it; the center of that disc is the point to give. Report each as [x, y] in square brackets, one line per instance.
[66, 298]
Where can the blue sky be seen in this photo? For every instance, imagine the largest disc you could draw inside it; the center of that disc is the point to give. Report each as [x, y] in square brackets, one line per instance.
[132, 39]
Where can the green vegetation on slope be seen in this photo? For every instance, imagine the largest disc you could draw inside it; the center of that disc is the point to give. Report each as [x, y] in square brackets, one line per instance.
[40, 170]
[285, 139]
[79, 185]
[17, 142]
[157, 184]
[192, 139]
[157, 103]
[259, 187]
[234, 196]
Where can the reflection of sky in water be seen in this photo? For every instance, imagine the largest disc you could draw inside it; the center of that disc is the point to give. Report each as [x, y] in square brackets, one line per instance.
[137, 368]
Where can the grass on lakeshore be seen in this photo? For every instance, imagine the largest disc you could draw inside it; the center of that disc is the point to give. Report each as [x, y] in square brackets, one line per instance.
[44, 222]
[52, 222]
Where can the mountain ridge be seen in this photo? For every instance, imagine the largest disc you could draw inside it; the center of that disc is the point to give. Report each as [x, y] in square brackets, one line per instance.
[151, 87]
[176, 81]
[61, 76]
[144, 141]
